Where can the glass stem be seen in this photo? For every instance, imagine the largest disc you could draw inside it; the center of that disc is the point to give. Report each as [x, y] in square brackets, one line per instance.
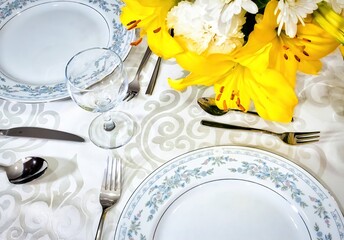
[109, 124]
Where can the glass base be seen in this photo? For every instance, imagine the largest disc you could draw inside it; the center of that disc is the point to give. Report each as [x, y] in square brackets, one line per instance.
[115, 138]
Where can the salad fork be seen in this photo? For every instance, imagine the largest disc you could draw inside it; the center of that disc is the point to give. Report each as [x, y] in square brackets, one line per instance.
[110, 191]
[134, 86]
[292, 138]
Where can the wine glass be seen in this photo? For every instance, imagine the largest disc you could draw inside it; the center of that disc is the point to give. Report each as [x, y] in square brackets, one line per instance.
[97, 82]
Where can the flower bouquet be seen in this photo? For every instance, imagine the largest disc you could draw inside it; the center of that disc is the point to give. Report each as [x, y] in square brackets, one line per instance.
[249, 50]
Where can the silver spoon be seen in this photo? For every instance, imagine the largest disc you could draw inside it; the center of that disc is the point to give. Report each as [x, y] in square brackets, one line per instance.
[208, 104]
[25, 169]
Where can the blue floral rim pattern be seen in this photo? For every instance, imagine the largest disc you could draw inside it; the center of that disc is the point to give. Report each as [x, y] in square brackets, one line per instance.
[147, 204]
[119, 42]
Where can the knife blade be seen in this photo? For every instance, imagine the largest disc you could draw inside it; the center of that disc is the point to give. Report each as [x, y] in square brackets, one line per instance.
[36, 132]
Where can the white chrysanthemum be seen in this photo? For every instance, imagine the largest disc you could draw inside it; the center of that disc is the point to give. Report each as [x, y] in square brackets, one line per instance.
[201, 29]
[337, 5]
[235, 7]
[293, 11]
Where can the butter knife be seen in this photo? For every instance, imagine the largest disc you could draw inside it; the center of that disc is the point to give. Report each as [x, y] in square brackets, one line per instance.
[36, 132]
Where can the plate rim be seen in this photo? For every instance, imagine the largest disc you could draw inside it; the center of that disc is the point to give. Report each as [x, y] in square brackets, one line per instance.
[109, 10]
[280, 158]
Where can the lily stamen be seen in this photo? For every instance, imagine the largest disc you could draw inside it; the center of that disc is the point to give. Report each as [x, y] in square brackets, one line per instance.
[297, 58]
[307, 40]
[241, 107]
[225, 107]
[129, 23]
[218, 97]
[232, 96]
[137, 42]
[133, 24]
[157, 30]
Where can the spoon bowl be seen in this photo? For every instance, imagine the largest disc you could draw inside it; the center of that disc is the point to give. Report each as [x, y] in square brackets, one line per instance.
[25, 169]
[208, 105]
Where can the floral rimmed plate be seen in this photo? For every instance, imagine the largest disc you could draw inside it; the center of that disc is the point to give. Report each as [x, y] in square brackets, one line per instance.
[38, 37]
[230, 192]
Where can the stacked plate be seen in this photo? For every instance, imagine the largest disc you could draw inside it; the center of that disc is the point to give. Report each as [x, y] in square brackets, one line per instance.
[38, 37]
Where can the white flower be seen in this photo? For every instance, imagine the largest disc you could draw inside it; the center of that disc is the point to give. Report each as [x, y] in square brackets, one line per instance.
[235, 7]
[199, 25]
[337, 5]
[293, 11]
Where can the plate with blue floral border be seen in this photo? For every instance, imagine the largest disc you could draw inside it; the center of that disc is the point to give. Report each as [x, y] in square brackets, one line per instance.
[229, 192]
[38, 37]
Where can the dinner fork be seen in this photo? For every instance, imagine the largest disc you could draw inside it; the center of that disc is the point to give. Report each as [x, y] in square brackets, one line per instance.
[292, 138]
[134, 86]
[110, 190]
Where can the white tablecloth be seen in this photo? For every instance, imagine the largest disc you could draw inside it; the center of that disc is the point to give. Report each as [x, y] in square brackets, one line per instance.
[64, 203]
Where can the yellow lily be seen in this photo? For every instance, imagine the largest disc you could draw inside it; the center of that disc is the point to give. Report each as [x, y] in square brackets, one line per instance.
[149, 16]
[330, 21]
[239, 78]
[341, 48]
[288, 55]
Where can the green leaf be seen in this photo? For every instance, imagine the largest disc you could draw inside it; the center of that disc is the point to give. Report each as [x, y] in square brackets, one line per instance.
[261, 3]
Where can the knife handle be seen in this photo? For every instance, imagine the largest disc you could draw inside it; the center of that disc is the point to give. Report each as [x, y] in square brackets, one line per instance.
[154, 77]
[143, 61]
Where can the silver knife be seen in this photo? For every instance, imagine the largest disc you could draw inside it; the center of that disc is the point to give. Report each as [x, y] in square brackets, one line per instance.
[36, 132]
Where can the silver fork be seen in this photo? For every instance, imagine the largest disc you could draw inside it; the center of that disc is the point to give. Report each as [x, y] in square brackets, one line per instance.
[292, 138]
[110, 191]
[134, 86]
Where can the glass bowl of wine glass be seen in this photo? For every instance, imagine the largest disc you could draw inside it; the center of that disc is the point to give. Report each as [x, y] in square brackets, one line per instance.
[97, 82]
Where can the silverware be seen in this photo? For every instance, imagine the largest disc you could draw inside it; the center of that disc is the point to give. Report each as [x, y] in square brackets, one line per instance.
[154, 77]
[208, 105]
[110, 191]
[25, 170]
[155, 73]
[292, 138]
[36, 132]
[134, 86]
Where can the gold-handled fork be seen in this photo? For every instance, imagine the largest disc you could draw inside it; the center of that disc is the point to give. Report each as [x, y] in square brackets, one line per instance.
[110, 191]
[292, 138]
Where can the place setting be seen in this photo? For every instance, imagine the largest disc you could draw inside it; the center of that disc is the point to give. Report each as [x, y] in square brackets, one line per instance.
[134, 120]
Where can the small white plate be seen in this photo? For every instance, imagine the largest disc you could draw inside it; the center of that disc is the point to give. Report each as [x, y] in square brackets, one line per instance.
[38, 37]
[229, 192]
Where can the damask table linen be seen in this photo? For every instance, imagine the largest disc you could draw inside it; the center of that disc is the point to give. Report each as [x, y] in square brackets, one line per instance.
[64, 203]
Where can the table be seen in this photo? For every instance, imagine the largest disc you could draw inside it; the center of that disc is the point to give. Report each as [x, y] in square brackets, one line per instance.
[64, 203]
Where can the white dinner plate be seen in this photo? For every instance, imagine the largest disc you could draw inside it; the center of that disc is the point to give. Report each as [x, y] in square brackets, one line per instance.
[229, 192]
[38, 37]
